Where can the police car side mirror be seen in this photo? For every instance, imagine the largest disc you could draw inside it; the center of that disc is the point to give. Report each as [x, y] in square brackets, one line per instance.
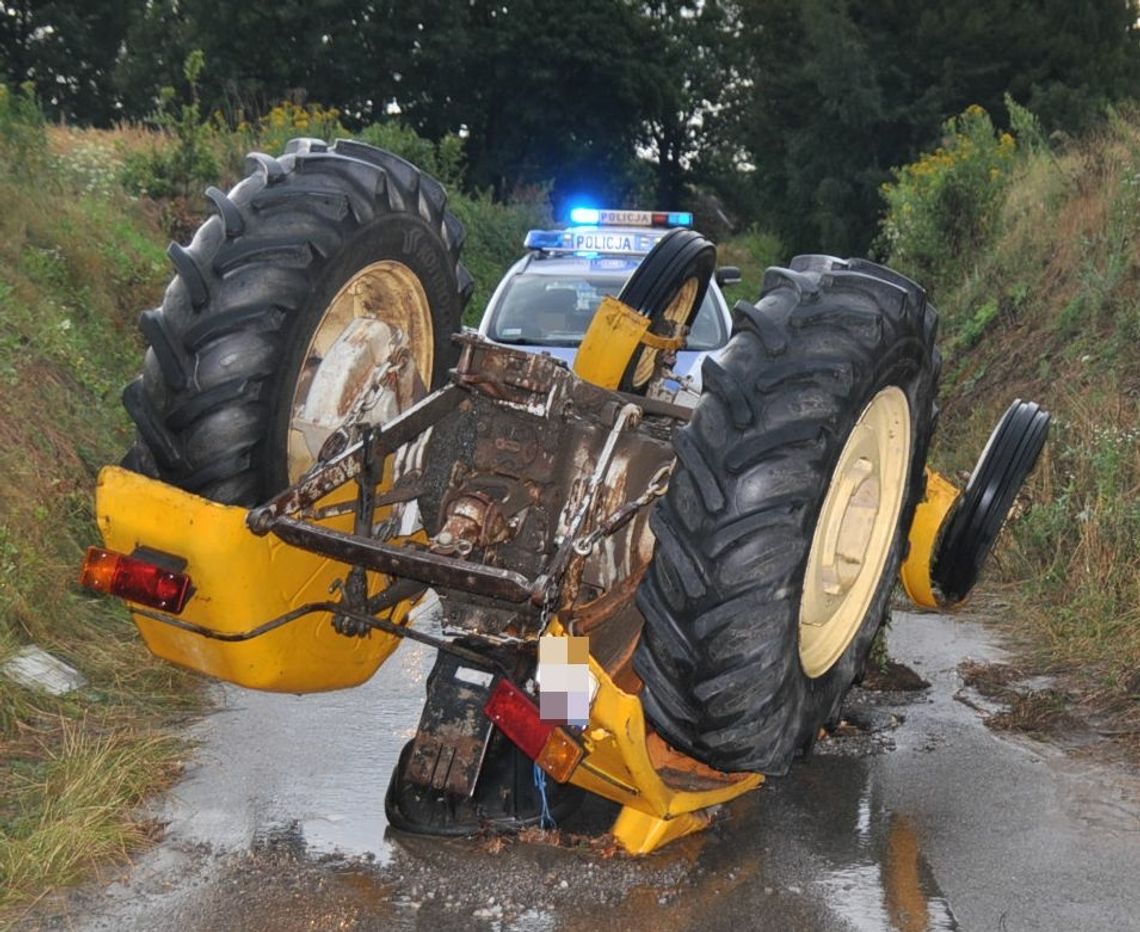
[728, 275]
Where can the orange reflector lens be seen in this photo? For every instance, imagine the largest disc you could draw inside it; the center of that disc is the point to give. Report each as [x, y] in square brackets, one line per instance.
[518, 718]
[560, 755]
[135, 580]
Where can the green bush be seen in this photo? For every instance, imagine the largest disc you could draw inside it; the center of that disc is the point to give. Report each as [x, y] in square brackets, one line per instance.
[184, 167]
[976, 325]
[495, 234]
[23, 139]
[944, 208]
[444, 160]
[752, 252]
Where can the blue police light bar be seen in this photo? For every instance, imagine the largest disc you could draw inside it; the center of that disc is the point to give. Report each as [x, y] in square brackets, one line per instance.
[543, 239]
[585, 215]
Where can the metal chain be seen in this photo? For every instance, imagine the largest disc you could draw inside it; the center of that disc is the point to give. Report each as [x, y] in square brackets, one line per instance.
[370, 397]
[657, 487]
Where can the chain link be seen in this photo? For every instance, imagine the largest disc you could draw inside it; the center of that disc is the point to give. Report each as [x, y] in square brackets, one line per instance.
[657, 487]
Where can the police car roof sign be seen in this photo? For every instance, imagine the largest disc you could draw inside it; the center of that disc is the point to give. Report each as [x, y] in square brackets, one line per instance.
[609, 232]
[591, 241]
[630, 218]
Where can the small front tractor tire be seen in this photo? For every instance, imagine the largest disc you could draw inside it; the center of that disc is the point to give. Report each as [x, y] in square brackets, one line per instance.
[781, 535]
[668, 288]
[319, 269]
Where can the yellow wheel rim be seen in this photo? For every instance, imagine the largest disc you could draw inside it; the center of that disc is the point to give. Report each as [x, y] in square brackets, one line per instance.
[855, 530]
[374, 344]
[676, 313]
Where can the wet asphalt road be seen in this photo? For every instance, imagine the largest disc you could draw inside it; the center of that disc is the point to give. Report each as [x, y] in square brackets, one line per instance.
[930, 821]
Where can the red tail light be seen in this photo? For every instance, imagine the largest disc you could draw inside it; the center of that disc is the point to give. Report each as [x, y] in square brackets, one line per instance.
[551, 747]
[512, 710]
[135, 580]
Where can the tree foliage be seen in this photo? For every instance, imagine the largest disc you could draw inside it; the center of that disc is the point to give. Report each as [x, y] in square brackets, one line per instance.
[794, 111]
[68, 50]
[535, 84]
[692, 59]
[839, 91]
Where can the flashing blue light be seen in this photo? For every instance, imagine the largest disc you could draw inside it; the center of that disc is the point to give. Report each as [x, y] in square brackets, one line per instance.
[588, 215]
[543, 239]
[680, 218]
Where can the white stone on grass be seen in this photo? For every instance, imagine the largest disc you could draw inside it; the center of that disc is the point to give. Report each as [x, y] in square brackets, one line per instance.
[35, 668]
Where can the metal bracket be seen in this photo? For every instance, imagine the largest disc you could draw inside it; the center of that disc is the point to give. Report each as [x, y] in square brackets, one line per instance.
[547, 583]
[325, 477]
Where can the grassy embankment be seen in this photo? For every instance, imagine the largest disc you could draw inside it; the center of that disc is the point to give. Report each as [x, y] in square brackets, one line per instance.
[78, 259]
[1039, 291]
[85, 219]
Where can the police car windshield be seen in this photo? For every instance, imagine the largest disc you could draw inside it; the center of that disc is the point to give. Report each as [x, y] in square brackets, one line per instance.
[555, 310]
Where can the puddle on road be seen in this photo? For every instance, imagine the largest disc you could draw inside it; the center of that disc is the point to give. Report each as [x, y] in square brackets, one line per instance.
[875, 876]
[315, 765]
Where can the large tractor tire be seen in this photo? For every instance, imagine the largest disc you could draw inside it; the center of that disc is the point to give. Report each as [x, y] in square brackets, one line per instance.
[322, 273]
[781, 535]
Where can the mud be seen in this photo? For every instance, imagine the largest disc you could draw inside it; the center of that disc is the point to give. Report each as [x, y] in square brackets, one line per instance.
[1032, 705]
[911, 815]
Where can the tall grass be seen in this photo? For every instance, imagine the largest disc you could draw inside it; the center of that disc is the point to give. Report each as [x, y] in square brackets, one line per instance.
[1047, 307]
[64, 813]
[78, 260]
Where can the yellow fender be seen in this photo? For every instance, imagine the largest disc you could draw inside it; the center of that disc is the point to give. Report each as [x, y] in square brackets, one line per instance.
[240, 581]
[610, 342]
[628, 764]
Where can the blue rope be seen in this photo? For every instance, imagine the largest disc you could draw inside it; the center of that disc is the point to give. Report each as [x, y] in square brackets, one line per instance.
[545, 819]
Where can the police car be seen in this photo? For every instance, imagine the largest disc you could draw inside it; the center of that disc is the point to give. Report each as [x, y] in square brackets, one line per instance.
[547, 299]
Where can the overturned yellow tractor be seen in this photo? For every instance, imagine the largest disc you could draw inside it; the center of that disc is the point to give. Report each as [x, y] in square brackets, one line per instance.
[318, 447]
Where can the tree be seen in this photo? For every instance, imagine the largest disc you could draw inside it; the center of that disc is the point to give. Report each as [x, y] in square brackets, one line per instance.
[546, 91]
[839, 91]
[691, 55]
[812, 119]
[67, 49]
[157, 42]
[337, 52]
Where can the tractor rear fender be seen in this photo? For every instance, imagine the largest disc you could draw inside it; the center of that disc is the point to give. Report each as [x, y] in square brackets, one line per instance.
[239, 581]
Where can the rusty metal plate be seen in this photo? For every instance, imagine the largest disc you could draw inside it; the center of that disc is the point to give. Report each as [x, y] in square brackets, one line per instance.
[451, 741]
